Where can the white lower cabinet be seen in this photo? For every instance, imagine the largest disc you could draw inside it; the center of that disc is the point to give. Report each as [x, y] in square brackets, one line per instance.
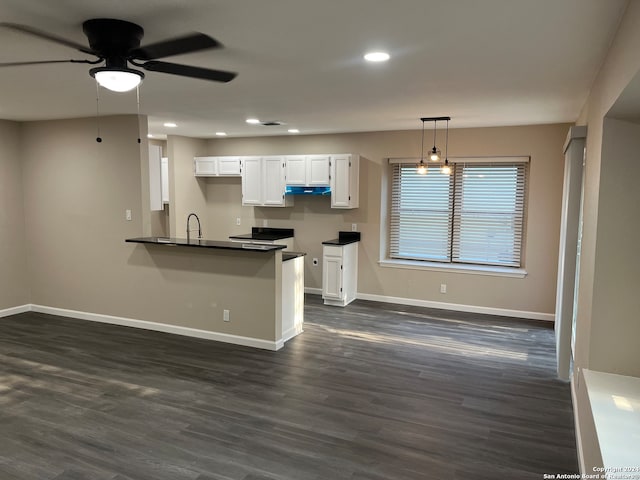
[263, 182]
[339, 274]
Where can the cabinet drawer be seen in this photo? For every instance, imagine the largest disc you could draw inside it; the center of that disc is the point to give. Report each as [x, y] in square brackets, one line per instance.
[332, 251]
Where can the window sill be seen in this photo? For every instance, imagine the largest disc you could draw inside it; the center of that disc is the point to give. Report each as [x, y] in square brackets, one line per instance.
[455, 268]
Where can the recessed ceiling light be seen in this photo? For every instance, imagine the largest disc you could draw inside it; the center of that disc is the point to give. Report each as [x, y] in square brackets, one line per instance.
[221, 134]
[253, 121]
[377, 57]
[293, 130]
[149, 135]
[170, 125]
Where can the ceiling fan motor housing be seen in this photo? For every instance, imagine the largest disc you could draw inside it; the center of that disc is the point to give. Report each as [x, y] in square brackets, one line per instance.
[113, 39]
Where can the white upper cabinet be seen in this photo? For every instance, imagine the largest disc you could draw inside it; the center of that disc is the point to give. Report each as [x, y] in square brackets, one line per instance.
[229, 166]
[307, 170]
[252, 181]
[164, 177]
[263, 182]
[217, 166]
[345, 184]
[296, 170]
[155, 177]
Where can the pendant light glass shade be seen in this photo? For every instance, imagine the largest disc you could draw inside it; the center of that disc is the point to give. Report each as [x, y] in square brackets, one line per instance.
[117, 80]
[435, 155]
[421, 168]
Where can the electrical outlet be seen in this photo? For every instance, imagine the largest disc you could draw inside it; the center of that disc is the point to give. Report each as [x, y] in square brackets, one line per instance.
[127, 215]
[225, 315]
[315, 262]
[354, 227]
[443, 288]
[237, 220]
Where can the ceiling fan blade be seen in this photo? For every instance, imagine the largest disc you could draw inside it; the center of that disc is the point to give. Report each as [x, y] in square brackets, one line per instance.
[188, 71]
[47, 36]
[17, 64]
[175, 46]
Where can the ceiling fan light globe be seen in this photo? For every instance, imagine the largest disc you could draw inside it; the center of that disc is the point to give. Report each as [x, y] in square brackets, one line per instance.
[117, 80]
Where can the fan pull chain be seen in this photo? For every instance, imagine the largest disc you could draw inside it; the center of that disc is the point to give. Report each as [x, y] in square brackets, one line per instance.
[98, 138]
[138, 103]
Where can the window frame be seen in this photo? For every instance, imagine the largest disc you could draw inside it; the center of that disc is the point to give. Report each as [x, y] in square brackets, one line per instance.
[386, 259]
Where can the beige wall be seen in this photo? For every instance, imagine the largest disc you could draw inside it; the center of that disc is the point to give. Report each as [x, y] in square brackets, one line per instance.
[187, 194]
[615, 328]
[314, 221]
[76, 195]
[607, 326]
[14, 289]
[620, 67]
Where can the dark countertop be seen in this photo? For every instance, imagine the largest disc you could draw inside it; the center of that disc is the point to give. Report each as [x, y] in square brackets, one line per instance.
[344, 238]
[194, 242]
[265, 233]
[287, 255]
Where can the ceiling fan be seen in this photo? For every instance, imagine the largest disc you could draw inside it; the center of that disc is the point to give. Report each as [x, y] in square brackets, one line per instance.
[117, 43]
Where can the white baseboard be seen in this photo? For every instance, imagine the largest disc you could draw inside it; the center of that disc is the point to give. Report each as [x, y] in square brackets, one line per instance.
[15, 310]
[161, 327]
[576, 423]
[548, 317]
[292, 332]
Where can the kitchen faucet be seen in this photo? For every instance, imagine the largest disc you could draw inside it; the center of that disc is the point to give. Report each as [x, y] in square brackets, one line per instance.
[199, 229]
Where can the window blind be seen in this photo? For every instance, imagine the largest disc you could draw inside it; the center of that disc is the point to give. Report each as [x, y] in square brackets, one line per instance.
[488, 213]
[475, 216]
[421, 214]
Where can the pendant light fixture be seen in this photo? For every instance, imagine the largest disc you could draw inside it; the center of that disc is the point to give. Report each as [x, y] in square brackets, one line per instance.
[435, 154]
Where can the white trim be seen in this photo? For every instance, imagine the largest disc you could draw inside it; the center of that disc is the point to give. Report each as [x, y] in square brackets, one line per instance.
[15, 310]
[162, 327]
[575, 132]
[489, 270]
[576, 423]
[292, 332]
[547, 317]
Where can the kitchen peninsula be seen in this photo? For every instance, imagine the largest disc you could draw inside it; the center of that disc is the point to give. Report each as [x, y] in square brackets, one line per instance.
[241, 293]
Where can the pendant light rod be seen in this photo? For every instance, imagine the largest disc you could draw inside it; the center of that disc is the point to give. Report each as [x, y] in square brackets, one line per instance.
[446, 143]
[422, 149]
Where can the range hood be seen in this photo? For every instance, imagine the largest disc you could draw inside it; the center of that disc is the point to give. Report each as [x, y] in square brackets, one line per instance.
[291, 190]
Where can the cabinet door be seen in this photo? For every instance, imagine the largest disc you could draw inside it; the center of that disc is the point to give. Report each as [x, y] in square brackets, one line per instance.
[205, 166]
[340, 181]
[318, 170]
[273, 180]
[155, 179]
[332, 277]
[164, 176]
[296, 170]
[252, 181]
[229, 166]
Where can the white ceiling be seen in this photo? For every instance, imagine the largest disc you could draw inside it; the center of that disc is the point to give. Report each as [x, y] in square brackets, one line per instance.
[483, 62]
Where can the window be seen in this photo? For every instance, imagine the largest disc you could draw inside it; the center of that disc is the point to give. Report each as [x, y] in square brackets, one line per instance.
[474, 216]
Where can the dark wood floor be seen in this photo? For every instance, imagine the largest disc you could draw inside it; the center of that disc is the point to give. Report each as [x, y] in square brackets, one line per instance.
[368, 392]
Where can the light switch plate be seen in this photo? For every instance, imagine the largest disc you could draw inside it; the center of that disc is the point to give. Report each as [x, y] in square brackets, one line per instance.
[127, 215]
